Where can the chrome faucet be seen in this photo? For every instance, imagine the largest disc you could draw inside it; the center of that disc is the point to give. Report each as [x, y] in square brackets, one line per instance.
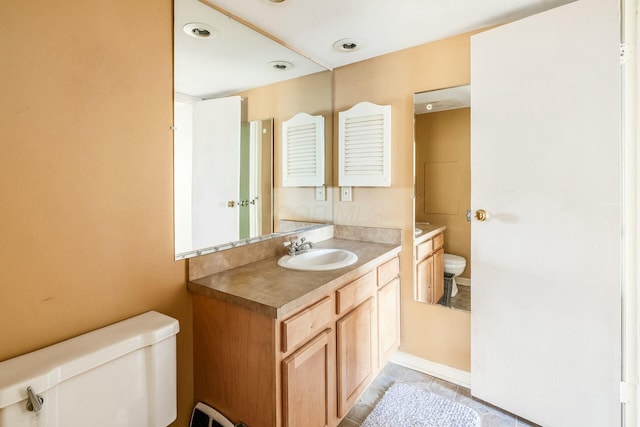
[298, 246]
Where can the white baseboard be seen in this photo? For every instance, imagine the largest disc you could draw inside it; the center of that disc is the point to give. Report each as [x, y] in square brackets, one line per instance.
[447, 373]
[463, 281]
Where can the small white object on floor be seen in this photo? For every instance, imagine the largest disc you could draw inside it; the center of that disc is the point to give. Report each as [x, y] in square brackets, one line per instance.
[406, 405]
[454, 287]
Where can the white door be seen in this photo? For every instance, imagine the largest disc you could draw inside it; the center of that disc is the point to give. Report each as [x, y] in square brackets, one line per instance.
[545, 162]
[182, 174]
[216, 171]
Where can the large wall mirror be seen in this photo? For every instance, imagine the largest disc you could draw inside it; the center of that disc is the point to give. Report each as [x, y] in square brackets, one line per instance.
[234, 87]
[443, 176]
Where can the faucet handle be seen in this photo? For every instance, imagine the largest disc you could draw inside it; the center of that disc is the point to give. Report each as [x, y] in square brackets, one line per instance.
[292, 245]
[294, 241]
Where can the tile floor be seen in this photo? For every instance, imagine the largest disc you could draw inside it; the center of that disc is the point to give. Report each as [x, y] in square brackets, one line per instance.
[491, 416]
[462, 300]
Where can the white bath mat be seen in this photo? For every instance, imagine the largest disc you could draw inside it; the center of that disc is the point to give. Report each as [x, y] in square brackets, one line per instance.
[406, 405]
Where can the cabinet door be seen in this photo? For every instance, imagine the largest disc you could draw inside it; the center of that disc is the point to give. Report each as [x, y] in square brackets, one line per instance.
[438, 275]
[388, 320]
[355, 351]
[424, 278]
[305, 384]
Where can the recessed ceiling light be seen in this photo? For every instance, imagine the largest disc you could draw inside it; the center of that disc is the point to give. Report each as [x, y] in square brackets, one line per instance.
[200, 30]
[347, 45]
[277, 1]
[281, 65]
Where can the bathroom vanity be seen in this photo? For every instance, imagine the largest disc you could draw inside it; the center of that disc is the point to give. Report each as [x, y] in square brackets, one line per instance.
[281, 347]
[429, 253]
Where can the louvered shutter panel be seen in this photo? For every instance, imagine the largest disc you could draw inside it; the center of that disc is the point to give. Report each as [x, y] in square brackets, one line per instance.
[303, 151]
[364, 148]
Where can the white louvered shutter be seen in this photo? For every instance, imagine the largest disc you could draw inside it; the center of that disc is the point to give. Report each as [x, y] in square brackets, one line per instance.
[303, 151]
[364, 148]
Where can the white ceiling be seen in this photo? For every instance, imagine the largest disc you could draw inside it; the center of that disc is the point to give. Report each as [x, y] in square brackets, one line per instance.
[382, 26]
[234, 59]
[238, 58]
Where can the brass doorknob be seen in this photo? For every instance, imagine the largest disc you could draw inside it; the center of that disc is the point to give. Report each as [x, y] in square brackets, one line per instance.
[481, 215]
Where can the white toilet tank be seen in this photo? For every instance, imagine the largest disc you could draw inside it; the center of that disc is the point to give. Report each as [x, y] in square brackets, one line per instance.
[120, 375]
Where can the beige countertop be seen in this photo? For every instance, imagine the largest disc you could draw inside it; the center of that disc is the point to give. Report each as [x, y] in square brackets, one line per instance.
[428, 231]
[274, 291]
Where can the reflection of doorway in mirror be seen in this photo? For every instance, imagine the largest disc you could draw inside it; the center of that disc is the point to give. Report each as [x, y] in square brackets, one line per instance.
[443, 176]
[207, 151]
[216, 169]
[244, 181]
[255, 172]
[252, 192]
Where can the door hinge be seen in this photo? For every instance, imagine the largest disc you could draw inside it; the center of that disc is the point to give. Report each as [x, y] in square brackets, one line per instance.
[625, 53]
[627, 392]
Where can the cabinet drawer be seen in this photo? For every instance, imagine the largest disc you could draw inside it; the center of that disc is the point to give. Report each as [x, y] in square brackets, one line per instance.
[388, 271]
[438, 241]
[355, 292]
[304, 325]
[424, 249]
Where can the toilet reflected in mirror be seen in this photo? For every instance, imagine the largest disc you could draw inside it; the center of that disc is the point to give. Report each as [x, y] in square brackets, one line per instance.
[454, 265]
[442, 136]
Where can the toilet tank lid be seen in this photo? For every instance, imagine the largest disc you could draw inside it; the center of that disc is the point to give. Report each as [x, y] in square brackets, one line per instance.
[454, 259]
[44, 368]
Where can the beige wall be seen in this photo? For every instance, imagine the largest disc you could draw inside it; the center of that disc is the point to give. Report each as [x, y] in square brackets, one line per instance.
[86, 174]
[86, 165]
[443, 176]
[435, 333]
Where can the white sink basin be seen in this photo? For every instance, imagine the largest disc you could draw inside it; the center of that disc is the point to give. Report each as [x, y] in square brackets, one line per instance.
[318, 260]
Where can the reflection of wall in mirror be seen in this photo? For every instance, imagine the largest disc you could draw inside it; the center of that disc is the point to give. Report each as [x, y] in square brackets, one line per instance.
[443, 176]
[311, 94]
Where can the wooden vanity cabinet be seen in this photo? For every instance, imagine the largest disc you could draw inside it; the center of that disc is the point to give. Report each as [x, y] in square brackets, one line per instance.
[307, 369]
[356, 339]
[388, 309]
[306, 386]
[307, 373]
[236, 358]
[355, 354]
[388, 320]
[429, 284]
